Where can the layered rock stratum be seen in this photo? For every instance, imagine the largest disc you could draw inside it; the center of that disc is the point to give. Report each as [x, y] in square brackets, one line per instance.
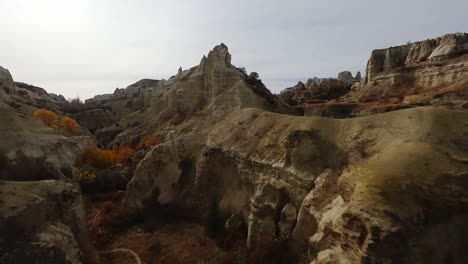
[383, 181]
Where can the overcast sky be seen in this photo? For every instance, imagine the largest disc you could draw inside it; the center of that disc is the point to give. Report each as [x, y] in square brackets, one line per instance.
[88, 47]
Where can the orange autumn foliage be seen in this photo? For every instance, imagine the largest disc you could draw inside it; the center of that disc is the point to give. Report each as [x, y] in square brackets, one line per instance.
[148, 141]
[99, 158]
[69, 124]
[123, 153]
[104, 158]
[48, 117]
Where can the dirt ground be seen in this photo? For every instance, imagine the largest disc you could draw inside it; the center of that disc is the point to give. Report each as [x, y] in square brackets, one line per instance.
[178, 241]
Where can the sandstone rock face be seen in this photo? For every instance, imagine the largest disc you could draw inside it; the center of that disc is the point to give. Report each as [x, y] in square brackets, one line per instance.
[427, 68]
[43, 222]
[443, 48]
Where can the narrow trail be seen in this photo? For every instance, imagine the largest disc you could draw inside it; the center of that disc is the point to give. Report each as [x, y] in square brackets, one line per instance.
[125, 250]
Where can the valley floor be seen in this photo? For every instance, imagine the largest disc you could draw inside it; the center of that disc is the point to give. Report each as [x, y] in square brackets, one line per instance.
[156, 240]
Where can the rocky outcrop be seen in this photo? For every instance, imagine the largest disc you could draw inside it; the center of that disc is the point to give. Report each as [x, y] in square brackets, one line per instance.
[319, 89]
[43, 222]
[25, 98]
[426, 68]
[347, 76]
[29, 150]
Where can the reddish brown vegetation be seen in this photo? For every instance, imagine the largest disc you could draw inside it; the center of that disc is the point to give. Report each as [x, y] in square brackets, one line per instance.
[148, 141]
[69, 124]
[105, 158]
[48, 117]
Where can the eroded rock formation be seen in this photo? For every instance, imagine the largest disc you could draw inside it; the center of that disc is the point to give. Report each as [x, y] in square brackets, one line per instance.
[382, 188]
[360, 187]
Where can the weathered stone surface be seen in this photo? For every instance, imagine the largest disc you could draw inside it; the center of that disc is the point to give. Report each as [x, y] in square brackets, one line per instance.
[43, 222]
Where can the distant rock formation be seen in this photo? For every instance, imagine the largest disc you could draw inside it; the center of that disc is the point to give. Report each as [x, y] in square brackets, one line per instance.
[428, 51]
[423, 72]
[317, 90]
[430, 72]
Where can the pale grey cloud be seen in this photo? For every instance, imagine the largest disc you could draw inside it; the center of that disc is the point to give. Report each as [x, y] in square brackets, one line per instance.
[87, 47]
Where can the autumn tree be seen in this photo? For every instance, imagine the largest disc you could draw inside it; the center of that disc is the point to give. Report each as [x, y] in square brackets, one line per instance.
[99, 158]
[69, 124]
[148, 141]
[48, 117]
[124, 154]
